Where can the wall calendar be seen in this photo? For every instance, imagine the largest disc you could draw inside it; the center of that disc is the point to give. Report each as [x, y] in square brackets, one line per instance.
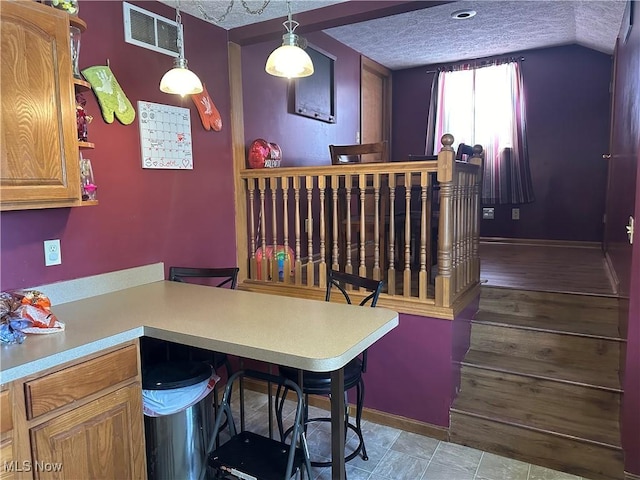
[165, 136]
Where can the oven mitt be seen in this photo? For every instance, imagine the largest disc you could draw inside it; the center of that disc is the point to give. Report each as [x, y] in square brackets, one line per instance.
[110, 95]
[208, 112]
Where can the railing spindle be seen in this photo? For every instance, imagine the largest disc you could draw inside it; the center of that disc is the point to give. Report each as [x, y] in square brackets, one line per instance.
[376, 226]
[275, 273]
[322, 270]
[298, 264]
[407, 236]
[362, 184]
[253, 264]
[336, 256]
[285, 228]
[455, 264]
[391, 274]
[310, 272]
[263, 231]
[347, 184]
[422, 276]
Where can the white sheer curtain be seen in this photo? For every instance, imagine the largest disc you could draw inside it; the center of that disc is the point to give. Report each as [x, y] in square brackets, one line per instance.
[486, 106]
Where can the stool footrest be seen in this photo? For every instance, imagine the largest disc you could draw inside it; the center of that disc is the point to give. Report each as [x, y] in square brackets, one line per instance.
[254, 456]
[347, 458]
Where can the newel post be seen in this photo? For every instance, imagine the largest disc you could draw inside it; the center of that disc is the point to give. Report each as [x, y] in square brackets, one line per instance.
[446, 165]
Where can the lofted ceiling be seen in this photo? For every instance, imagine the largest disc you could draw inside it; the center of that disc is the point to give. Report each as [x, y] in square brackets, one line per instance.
[405, 34]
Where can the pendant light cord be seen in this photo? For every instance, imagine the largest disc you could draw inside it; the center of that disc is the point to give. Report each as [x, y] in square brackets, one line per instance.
[179, 32]
[290, 25]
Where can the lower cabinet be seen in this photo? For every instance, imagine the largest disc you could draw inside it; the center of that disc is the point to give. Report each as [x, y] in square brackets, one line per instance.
[82, 420]
[101, 439]
[6, 434]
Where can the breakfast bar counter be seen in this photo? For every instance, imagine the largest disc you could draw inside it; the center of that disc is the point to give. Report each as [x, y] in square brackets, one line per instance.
[299, 333]
[306, 334]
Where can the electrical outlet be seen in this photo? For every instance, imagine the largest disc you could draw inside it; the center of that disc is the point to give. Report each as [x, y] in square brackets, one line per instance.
[488, 213]
[52, 254]
[306, 225]
[515, 214]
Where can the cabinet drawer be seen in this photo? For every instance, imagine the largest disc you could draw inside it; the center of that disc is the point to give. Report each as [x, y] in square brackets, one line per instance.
[6, 412]
[79, 381]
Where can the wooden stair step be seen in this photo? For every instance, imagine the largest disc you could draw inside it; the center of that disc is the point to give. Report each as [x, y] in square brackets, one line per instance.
[599, 354]
[554, 306]
[588, 460]
[587, 413]
[544, 370]
[554, 325]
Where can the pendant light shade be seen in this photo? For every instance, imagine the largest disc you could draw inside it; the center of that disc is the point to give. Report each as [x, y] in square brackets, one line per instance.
[180, 80]
[289, 60]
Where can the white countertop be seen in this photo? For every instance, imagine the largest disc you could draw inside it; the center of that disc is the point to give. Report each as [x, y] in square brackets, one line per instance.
[307, 334]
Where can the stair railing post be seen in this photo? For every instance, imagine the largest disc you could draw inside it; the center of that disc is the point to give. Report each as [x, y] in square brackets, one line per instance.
[446, 165]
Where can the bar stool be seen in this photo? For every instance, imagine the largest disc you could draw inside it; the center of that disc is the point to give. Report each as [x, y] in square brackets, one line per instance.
[319, 383]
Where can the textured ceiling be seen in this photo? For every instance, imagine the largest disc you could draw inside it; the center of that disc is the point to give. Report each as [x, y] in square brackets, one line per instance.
[238, 15]
[431, 36]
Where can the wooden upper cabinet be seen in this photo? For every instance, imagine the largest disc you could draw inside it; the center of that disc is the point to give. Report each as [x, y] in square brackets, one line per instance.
[38, 147]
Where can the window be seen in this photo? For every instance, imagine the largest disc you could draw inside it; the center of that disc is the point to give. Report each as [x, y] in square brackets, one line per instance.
[485, 106]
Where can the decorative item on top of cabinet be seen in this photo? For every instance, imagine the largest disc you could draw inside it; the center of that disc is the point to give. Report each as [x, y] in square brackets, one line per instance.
[39, 148]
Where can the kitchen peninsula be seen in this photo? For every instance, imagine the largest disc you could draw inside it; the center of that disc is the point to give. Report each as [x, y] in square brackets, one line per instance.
[97, 354]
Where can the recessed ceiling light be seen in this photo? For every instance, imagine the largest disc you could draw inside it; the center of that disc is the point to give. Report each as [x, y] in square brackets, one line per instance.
[463, 14]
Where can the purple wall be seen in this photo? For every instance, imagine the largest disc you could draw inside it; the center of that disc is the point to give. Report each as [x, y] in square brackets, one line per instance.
[567, 91]
[631, 398]
[626, 258]
[409, 370]
[144, 216]
[304, 141]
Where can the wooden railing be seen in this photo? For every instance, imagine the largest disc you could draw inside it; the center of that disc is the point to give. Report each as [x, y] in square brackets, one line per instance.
[414, 225]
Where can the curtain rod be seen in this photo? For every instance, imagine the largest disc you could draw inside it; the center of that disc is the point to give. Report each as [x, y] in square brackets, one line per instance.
[475, 63]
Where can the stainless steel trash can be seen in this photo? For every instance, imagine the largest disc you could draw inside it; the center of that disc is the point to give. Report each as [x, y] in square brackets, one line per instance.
[176, 443]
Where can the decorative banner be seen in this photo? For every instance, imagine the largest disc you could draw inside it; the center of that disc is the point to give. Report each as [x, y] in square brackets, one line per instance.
[165, 136]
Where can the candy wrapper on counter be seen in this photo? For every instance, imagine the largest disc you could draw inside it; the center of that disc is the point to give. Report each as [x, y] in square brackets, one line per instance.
[26, 312]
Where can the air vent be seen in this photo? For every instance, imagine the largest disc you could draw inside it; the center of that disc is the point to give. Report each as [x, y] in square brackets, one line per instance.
[148, 30]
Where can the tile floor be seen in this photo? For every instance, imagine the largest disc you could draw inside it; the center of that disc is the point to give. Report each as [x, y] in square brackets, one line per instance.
[398, 455]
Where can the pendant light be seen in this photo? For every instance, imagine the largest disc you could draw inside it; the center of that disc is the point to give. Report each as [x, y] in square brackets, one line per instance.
[289, 60]
[180, 80]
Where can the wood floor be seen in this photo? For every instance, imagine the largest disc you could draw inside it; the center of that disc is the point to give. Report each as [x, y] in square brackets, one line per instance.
[563, 269]
[540, 380]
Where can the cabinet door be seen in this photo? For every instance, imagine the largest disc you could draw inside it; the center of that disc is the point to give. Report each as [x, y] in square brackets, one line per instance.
[103, 439]
[38, 144]
[7, 466]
